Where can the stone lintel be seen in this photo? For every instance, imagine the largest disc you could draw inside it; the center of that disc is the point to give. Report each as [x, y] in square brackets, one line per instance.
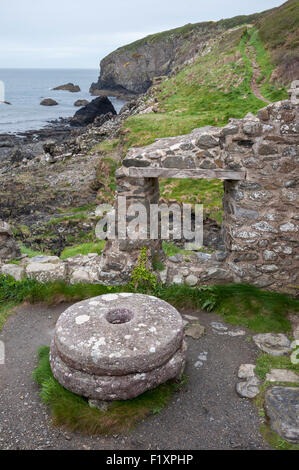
[179, 173]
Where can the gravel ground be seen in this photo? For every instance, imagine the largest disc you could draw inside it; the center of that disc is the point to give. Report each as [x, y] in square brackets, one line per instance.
[207, 414]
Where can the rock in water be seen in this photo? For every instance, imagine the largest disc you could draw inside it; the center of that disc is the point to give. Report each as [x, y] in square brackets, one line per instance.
[97, 107]
[80, 103]
[49, 102]
[281, 405]
[68, 87]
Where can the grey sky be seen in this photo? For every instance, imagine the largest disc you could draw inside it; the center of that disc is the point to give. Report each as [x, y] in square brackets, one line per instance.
[78, 33]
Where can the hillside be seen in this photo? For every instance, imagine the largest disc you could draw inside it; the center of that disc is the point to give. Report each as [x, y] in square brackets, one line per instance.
[130, 69]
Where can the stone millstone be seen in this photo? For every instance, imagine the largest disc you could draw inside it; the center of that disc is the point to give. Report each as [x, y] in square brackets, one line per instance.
[116, 346]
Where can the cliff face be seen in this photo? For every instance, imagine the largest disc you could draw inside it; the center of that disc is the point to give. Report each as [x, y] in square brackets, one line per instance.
[130, 69]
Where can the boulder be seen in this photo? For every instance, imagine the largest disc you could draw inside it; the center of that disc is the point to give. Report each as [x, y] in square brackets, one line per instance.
[48, 102]
[90, 112]
[248, 389]
[13, 270]
[274, 344]
[281, 404]
[68, 87]
[282, 375]
[46, 272]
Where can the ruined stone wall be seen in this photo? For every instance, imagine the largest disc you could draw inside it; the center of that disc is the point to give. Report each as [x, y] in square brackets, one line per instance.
[257, 157]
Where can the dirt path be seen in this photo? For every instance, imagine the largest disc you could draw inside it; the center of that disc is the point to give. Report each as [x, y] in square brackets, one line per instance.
[207, 414]
[250, 52]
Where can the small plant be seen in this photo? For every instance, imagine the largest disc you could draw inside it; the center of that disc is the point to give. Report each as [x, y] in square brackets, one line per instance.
[142, 279]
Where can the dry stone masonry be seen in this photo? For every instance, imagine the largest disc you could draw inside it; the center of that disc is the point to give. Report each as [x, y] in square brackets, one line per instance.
[257, 158]
[117, 346]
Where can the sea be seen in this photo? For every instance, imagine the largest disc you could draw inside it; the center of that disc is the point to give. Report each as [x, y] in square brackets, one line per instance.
[26, 88]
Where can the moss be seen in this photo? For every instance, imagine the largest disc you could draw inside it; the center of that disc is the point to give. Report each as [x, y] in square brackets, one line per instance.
[73, 412]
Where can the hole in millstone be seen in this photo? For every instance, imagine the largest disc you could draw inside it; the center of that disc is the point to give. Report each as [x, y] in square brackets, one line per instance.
[119, 315]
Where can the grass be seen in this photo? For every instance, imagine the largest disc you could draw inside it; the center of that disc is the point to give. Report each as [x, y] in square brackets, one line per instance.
[265, 363]
[206, 192]
[74, 413]
[29, 252]
[238, 304]
[170, 249]
[83, 249]
[211, 90]
[268, 90]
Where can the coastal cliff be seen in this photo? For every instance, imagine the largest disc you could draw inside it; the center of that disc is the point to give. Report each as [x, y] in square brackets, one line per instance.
[130, 70]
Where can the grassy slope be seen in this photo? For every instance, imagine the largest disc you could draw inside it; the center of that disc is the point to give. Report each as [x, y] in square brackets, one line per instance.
[279, 33]
[208, 92]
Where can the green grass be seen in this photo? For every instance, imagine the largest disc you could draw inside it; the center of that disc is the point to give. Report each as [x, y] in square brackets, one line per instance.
[238, 304]
[213, 89]
[275, 440]
[206, 192]
[83, 249]
[265, 363]
[29, 252]
[268, 90]
[170, 249]
[275, 29]
[73, 412]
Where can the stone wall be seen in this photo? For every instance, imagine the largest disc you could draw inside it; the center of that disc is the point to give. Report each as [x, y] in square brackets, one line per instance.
[257, 157]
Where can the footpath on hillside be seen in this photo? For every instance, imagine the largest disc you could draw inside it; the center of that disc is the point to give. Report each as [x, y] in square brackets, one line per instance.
[255, 87]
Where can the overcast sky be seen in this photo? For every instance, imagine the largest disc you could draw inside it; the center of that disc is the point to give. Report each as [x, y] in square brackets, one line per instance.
[78, 33]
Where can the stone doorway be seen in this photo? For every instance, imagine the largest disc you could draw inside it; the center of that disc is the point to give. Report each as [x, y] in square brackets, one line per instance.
[256, 158]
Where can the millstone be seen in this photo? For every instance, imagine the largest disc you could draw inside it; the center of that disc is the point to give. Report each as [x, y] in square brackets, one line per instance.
[116, 346]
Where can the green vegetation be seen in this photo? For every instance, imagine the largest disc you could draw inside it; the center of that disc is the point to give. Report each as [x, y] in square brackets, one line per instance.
[216, 87]
[74, 413]
[170, 249]
[84, 249]
[238, 304]
[280, 28]
[206, 192]
[265, 363]
[142, 279]
[29, 252]
[268, 90]
[275, 440]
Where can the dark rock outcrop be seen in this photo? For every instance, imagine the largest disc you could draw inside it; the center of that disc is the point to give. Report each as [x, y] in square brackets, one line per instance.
[49, 102]
[8, 247]
[68, 87]
[97, 107]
